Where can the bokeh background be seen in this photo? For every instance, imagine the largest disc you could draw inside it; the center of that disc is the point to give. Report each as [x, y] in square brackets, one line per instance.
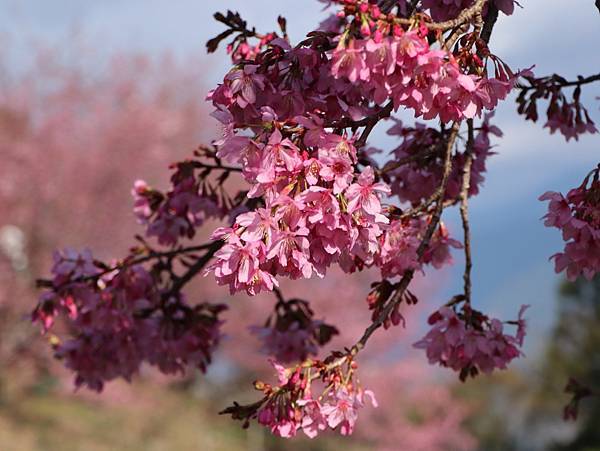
[95, 94]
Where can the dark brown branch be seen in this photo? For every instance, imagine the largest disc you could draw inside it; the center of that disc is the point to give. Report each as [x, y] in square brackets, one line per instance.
[384, 112]
[373, 121]
[278, 294]
[194, 269]
[490, 21]
[202, 165]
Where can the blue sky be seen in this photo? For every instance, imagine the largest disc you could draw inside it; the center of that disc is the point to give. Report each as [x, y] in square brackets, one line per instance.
[511, 246]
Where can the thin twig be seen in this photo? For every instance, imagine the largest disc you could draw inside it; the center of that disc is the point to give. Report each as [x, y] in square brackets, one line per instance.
[371, 125]
[203, 165]
[464, 210]
[126, 264]
[384, 112]
[455, 36]
[279, 295]
[556, 81]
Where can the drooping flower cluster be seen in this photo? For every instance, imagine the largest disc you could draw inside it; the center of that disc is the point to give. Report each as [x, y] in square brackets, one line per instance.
[318, 211]
[402, 67]
[567, 116]
[291, 406]
[401, 242]
[577, 215]
[291, 333]
[115, 320]
[469, 342]
[177, 213]
[417, 180]
[570, 119]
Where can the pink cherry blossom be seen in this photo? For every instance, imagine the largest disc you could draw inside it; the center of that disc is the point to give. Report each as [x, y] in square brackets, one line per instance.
[577, 215]
[364, 194]
[470, 342]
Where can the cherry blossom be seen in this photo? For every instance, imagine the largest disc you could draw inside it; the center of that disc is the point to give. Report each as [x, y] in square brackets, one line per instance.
[116, 322]
[470, 342]
[577, 215]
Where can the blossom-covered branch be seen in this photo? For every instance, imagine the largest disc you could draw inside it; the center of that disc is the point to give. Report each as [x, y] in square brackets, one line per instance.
[296, 123]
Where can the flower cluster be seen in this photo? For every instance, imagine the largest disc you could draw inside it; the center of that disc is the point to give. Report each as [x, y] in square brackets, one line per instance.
[318, 211]
[418, 179]
[291, 333]
[567, 116]
[571, 119]
[296, 121]
[284, 115]
[291, 406]
[404, 68]
[116, 319]
[469, 342]
[400, 243]
[577, 215]
[177, 213]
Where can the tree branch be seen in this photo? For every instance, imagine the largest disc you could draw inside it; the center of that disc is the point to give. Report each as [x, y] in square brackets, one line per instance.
[490, 21]
[427, 152]
[464, 17]
[179, 282]
[464, 210]
[45, 283]
[559, 81]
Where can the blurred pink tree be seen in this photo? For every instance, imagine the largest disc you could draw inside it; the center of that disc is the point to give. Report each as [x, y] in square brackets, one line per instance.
[69, 136]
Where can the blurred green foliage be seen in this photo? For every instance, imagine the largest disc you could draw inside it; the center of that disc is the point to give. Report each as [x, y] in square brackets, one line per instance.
[522, 409]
